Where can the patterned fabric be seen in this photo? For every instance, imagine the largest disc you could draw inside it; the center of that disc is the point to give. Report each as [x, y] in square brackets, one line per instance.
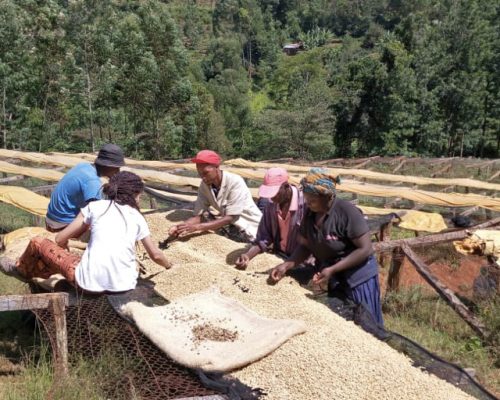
[318, 181]
[43, 258]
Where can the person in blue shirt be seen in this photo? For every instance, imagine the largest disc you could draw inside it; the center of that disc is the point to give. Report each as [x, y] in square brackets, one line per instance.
[336, 233]
[81, 185]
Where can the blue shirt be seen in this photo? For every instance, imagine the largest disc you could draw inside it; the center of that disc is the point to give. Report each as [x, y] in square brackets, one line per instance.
[74, 190]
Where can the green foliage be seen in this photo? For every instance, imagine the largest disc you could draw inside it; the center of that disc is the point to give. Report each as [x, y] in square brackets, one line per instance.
[166, 78]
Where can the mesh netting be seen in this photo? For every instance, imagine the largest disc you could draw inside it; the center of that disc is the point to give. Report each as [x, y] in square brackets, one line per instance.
[94, 330]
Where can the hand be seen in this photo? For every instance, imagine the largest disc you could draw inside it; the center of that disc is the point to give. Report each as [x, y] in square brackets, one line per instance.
[321, 278]
[185, 229]
[173, 231]
[277, 273]
[242, 261]
[63, 244]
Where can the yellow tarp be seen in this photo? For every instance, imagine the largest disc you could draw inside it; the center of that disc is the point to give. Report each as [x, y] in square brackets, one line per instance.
[61, 160]
[24, 233]
[24, 199]
[481, 242]
[419, 196]
[363, 173]
[49, 175]
[69, 160]
[412, 219]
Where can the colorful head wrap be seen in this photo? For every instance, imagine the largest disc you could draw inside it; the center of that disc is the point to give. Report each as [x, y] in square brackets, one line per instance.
[318, 181]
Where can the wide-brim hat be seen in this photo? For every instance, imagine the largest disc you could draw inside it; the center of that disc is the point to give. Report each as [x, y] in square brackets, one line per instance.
[110, 155]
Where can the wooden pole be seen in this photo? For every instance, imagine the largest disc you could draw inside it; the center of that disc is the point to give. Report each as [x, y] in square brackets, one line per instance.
[56, 303]
[58, 309]
[400, 165]
[448, 295]
[433, 239]
[152, 202]
[395, 267]
[384, 236]
[12, 179]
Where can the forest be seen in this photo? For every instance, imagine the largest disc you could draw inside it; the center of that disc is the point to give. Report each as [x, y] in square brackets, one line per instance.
[166, 78]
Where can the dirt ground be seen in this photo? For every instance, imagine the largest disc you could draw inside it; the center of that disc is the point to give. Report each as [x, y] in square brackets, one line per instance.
[458, 275]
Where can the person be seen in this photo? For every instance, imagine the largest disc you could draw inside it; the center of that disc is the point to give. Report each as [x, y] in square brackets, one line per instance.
[81, 185]
[109, 262]
[279, 226]
[336, 233]
[238, 216]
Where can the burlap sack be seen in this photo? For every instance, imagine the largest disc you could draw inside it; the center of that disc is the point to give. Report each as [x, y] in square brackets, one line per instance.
[210, 331]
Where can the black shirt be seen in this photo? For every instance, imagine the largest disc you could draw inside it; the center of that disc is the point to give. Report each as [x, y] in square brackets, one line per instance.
[332, 241]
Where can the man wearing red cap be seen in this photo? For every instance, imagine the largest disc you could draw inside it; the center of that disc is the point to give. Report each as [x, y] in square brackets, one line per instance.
[227, 193]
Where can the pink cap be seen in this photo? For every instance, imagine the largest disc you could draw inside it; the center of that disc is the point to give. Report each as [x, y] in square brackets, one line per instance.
[207, 157]
[273, 179]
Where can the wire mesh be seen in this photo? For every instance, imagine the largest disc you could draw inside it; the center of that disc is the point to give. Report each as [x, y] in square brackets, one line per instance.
[95, 330]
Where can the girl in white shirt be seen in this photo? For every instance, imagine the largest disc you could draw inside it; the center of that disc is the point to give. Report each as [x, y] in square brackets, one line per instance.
[108, 264]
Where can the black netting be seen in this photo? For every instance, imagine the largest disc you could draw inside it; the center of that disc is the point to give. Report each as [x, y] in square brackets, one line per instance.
[94, 329]
[421, 357]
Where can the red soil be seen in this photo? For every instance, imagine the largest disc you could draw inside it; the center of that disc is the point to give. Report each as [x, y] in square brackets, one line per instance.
[457, 276]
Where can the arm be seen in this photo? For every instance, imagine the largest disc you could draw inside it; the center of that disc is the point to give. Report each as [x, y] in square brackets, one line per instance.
[300, 254]
[263, 240]
[155, 253]
[73, 230]
[193, 224]
[360, 254]
[175, 230]
[244, 259]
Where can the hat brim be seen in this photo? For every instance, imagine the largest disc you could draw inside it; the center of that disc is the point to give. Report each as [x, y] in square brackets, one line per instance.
[106, 163]
[203, 161]
[268, 191]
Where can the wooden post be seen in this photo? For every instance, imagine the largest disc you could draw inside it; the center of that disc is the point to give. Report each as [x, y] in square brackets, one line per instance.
[58, 309]
[395, 268]
[56, 303]
[38, 220]
[152, 203]
[448, 295]
[384, 259]
[403, 162]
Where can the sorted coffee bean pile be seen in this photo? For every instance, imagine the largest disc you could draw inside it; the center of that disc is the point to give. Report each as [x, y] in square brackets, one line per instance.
[334, 359]
[207, 331]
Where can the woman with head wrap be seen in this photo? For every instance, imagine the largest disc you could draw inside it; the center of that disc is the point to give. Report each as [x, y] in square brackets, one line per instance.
[335, 232]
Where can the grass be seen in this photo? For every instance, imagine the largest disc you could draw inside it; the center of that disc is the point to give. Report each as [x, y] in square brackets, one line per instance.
[14, 218]
[26, 367]
[87, 380]
[430, 322]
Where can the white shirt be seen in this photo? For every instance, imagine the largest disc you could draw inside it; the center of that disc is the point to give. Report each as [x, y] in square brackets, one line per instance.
[234, 199]
[108, 263]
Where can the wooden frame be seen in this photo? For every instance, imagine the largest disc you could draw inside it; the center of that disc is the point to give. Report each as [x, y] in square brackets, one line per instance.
[56, 303]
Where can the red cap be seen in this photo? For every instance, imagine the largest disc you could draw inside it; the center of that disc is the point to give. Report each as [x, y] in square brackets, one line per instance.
[273, 179]
[207, 157]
